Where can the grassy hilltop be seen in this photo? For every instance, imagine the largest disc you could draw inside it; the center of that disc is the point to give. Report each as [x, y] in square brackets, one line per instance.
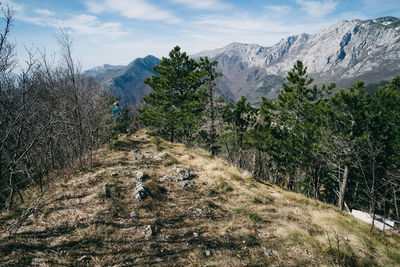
[223, 217]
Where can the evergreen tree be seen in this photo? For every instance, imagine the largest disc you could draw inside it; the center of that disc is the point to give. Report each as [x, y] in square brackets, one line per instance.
[240, 119]
[210, 74]
[300, 107]
[176, 104]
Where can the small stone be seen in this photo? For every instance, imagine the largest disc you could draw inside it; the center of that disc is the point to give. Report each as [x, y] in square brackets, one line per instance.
[127, 173]
[106, 191]
[207, 253]
[138, 156]
[162, 155]
[196, 234]
[166, 179]
[114, 174]
[184, 174]
[148, 231]
[121, 164]
[267, 251]
[183, 183]
[133, 215]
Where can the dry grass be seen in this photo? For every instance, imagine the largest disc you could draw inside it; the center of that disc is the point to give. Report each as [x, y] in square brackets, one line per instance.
[226, 219]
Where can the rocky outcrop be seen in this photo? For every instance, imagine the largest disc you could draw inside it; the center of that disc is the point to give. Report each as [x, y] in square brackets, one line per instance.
[140, 192]
[183, 174]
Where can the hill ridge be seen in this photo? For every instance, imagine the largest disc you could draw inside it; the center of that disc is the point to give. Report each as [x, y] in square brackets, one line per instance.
[223, 216]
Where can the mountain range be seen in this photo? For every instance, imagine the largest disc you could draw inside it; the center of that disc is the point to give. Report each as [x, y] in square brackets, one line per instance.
[348, 51]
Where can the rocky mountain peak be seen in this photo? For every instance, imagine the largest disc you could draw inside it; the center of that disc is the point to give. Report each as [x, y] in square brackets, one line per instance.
[350, 50]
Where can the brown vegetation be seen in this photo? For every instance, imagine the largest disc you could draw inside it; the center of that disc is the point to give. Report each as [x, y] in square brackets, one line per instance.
[226, 219]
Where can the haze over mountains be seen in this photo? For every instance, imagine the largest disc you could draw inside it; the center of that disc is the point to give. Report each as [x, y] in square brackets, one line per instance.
[353, 50]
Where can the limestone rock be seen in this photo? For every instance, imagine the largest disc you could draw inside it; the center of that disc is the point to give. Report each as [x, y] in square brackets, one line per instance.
[167, 179]
[267, 251]
[141, 176]
[138, 155]
[186, 184]
[161, 156]
[133, 215]
[148, 231]
[184, 174]
[106, 191]
[140, 192]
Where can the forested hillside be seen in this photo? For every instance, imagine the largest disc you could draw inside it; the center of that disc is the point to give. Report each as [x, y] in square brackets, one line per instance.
[342, 149]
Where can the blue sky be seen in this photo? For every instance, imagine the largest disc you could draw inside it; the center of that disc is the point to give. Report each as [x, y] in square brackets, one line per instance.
[118, 31]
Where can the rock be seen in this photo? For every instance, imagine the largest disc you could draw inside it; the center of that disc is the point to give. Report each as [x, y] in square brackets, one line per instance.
[138, 156]
[139, 193]
[166, 179]
[114, 174]
[148, 231]
[207, 253]
[106, 191]
[141, 176]
[84, 258]
[121, 164]
[186, 184]
[133, 215]
[267, 251]
[162, 155]
[184, 174]
[196, 234]
[127, 173]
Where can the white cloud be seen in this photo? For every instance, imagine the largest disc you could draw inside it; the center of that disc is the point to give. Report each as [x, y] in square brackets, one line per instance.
[132, 9]
[317, 9]
[44, 12]
[216, 31]
[280, 9]
[84, 24]
[203, 4]
[80, 24]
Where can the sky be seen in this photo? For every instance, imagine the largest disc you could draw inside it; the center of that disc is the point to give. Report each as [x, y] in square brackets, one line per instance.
[118, 31]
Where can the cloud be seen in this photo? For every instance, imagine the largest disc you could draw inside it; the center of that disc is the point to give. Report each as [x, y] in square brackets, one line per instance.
[278, 11]
[80, 24]
[44, 12]
[203, 4]
[317, 9]
[246, 28]
[279, 8]
[84, 24]
[132, 9]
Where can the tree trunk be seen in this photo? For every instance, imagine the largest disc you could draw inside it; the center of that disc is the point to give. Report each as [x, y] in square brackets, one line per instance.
[343, 187]
[212, 147]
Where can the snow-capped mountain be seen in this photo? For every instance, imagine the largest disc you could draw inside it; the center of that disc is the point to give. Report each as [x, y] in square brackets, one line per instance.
[353, 50]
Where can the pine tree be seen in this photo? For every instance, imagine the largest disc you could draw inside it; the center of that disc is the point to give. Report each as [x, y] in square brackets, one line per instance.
[176, 104]
[210, 74]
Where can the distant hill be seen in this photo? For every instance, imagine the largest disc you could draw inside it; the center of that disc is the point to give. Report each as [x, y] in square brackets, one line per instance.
[353, 50]
[218, 215]
[127, 81]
